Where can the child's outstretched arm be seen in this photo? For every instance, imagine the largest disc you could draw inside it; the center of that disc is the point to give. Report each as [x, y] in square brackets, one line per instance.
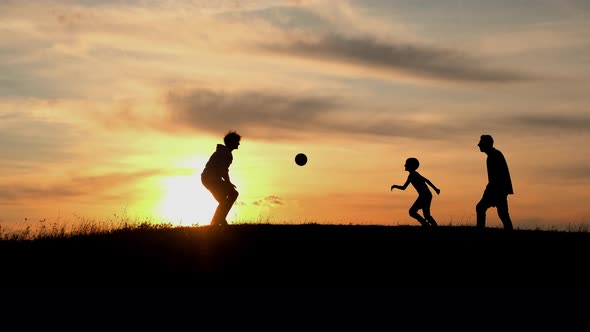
[433, 186]
[401, 187]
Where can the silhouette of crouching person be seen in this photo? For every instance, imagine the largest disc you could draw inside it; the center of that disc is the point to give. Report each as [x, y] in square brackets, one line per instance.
[215, 177]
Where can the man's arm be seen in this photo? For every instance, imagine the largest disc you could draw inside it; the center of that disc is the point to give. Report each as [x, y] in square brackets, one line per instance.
[225, 177]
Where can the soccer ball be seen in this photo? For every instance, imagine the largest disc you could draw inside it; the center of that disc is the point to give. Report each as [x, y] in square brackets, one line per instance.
[301, 159]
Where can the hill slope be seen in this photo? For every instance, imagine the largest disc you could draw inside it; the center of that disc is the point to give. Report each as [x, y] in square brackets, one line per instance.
[308, 255]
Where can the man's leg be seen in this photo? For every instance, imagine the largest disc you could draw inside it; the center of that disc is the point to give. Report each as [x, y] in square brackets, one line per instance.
[218, 190]
[226, 205]
[217, 216]
[503, 213]
[480, 210]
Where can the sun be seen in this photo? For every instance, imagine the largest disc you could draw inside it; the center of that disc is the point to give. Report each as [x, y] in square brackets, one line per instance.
[185, 202]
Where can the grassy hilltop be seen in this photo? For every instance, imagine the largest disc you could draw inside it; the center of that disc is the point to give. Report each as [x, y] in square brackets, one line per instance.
[308, 255]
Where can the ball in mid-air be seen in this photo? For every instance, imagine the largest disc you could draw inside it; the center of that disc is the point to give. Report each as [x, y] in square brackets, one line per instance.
[301, 159]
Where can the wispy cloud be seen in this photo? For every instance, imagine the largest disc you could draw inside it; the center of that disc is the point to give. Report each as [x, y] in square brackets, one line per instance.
[566, 173]
[257, 113]
[27, 139]
[267, 115]
[74, 187]
[428, 62]
[578, 122]
[271, 200]
[91, 50]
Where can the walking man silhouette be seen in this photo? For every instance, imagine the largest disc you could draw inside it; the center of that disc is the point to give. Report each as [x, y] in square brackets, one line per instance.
[499, 185]
[424, 199]
[215, 177]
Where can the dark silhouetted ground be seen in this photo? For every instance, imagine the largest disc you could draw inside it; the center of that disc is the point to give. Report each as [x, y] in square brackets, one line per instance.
[310, 255]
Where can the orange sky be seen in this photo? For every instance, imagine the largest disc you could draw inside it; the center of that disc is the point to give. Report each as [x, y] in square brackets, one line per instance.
[111, 108]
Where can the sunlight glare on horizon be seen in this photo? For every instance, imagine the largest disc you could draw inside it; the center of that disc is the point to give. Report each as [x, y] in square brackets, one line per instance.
[185, 202]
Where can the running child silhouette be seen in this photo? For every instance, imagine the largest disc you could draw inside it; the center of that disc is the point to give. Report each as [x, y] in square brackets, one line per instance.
[424, 199]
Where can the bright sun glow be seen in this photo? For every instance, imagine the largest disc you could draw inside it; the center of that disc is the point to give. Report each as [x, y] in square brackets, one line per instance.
[185, 201]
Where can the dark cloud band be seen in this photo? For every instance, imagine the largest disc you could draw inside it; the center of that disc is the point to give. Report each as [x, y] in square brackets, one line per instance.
[424, 61]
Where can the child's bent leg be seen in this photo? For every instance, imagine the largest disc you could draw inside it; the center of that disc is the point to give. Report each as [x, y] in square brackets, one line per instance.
[429, 217]
[431, 221]
[418, 217]
[414, 212]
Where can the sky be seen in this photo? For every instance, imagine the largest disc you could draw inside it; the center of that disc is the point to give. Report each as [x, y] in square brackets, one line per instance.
[109, 110]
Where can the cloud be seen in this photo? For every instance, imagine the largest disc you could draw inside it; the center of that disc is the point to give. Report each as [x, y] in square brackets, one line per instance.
[268, 115]
[91, 51]
[424, 61]
[269, 201]
[256, 114]
[567, 174]
[76, 187]
[560, 122]
[530, 124]
[25, 139]
[450, 126]
[113, 51]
